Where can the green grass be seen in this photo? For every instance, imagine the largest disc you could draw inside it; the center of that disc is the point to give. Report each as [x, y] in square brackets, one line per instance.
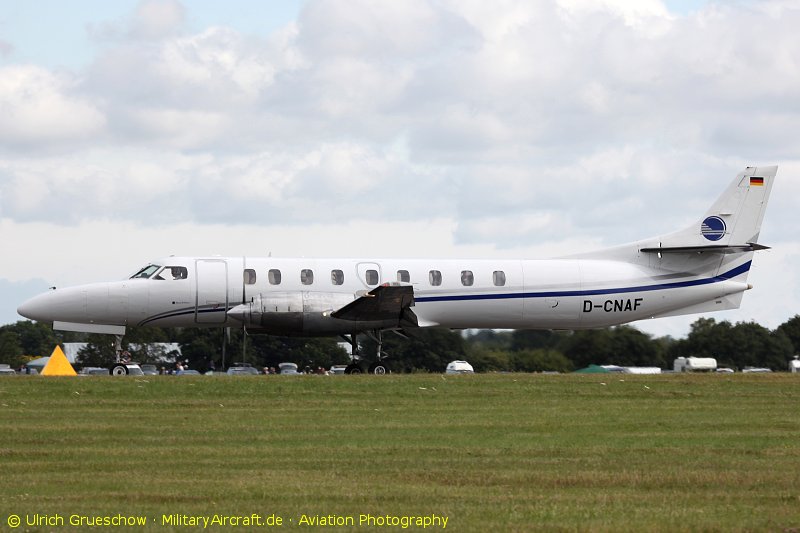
[512, 452]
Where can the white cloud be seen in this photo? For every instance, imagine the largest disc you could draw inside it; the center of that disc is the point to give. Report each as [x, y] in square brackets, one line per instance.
[6, 48]
[156, 19]
[38, 106]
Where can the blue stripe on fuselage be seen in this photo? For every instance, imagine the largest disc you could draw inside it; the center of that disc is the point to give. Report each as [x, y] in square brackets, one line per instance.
[589, 292]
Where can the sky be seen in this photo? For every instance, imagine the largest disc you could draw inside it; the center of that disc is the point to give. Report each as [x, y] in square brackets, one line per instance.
[132, 130]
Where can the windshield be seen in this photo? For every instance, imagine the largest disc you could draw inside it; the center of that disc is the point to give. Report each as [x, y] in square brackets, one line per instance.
[146, 272]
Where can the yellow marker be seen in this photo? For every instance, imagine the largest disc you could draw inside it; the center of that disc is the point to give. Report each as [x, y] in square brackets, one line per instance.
[58, 365]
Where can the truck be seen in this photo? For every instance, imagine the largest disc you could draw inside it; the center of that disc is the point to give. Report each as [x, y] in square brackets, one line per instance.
[695, 364]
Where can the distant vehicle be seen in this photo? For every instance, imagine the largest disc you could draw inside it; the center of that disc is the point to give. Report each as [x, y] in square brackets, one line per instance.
[724, 370]
[127, 369]
[6, 370]
[695, 364]
[794, 364]
[149, 370]
[755, 370]
[641, 370]
[337, 369]
[242, 370]
[93, 371]
[288, 369]
[188, 373]
[459, 367]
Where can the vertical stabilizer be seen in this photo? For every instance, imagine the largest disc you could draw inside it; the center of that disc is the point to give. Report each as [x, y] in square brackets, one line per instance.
[735, 218]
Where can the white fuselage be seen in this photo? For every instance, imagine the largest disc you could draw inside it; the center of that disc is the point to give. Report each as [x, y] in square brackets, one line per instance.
[295, 296]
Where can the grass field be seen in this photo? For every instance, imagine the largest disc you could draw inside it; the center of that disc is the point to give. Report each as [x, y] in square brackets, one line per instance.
[513, 452]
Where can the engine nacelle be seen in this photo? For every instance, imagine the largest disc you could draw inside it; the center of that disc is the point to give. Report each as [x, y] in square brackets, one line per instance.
[302, 314]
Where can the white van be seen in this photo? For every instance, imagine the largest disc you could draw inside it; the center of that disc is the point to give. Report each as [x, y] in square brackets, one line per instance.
[459, 367]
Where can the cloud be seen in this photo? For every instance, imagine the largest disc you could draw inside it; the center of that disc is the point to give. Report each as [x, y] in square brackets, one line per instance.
[39, 109]
[6, 48]
[156, 19]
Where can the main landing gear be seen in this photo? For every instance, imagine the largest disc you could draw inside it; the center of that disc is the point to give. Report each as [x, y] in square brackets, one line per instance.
[379, 367]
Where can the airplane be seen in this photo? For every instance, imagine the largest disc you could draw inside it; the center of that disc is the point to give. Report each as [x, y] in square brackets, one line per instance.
[701, 268]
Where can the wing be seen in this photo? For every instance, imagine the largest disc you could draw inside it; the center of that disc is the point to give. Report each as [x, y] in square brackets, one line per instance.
[389, 303]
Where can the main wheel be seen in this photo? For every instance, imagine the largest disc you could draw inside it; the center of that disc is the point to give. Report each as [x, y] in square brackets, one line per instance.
[380, 368]
[352, 369]
[119, 370]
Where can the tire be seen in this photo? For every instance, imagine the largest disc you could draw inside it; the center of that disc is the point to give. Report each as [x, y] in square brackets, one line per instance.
[119, 370]
[352, 369]
[379, 369]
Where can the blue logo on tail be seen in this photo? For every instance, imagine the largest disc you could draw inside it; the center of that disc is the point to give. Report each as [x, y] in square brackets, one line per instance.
[713, 228]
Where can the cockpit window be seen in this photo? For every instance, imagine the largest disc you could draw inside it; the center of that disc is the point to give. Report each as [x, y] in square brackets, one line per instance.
[162, 273]
[146, 272]
[172, 272]
[176, 272]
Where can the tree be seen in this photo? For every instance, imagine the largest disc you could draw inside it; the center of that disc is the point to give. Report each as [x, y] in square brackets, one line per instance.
[490, 339]
[429, 349]
[100, 351]
[304, 352]
[745, 344]
[531, 339]
[35, 338]
[540, 360]
[791, 328]
[11, 349]
[588, 347]
[621, 345]
[632, 347]
[202, 346]
[485, 359]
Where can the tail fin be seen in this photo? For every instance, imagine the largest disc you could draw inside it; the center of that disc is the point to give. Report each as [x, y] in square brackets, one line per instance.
[715, 252]
[733, 223]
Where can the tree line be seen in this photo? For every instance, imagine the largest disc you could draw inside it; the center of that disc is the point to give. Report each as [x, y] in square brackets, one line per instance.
[428, 350]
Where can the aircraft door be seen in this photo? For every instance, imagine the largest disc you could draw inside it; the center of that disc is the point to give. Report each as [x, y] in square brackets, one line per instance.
[369, 274]
[211, 302]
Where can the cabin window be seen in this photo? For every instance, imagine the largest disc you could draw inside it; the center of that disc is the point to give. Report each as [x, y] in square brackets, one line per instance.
[467, 278]
[337, 277]
[435, 278]
[249, 276]
[403, 276]
[499, 278]
[372, 277]
[306, 276]
[274, 276]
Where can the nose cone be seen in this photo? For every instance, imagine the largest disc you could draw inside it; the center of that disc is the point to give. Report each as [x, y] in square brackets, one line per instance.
[37, 308]
[67, 305]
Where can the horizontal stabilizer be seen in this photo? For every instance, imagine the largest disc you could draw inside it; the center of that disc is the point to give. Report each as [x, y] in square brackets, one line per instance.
[707, 249]
[386, 302]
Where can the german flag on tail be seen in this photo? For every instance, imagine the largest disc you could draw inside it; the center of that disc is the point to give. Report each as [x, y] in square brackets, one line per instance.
[758, 182]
